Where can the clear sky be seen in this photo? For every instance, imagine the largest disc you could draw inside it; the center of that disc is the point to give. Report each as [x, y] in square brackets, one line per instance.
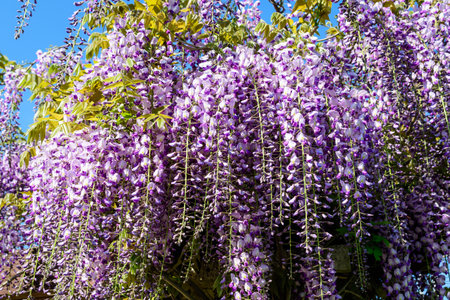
[48, 28]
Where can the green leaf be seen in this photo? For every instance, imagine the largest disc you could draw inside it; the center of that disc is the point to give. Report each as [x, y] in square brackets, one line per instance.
[130, 62]
[114, 78]
[165, 116]
[66, 88]
[149, 117]
[218, 286]
[154, 6]
[53, 69]
[127, 115]
[26, 80]
[77, 70]
[342, 230]
[324, 12]
[379, 239]
[299, 5]
[139, 6]
[7, 200]
[98, 41]
[377, 253]
[260, 27]
[159, 109]
[196, 28]
[332, 31]
[161, 123]
[37, 130]
[56, 116]
[271, 36]
[114, 85]
[26, 156]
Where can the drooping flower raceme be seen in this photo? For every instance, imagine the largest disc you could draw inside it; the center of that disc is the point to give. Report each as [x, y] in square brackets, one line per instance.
[236, 170]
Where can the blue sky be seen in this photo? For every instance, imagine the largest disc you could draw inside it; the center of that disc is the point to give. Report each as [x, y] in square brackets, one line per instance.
[48, 28]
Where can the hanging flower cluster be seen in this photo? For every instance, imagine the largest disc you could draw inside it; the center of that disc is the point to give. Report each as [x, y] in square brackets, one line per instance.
[193, 163]
[11, 99]
[14, 190]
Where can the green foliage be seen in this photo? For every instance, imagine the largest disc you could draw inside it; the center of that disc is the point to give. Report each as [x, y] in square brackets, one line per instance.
[375, 246]
[280, 25]
[319, 10]
[230, 32]
[217, 286]
[161, 120]
[16, 200]
[98, 41]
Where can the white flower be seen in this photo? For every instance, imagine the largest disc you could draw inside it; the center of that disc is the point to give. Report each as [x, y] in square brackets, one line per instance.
[262, 282]
[243, 276]
[348, 172]
[361, 179]
[234, 280]
[108, 165]
[145, 162]
[256, 296]
[361, 166]
[240, 244]
[237, 296]
[346, 187]
[241, 228]
[251, 269]
[236, 262]
[114, 177]
[247, 287]
[291, 145]
[264, 268]
[244, 256]
[255, 252]
[248, 239]
[298, 118]
[143, 151]
[75, 212]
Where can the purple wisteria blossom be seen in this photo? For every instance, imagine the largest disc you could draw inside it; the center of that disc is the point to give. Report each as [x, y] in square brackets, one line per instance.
[205, 166]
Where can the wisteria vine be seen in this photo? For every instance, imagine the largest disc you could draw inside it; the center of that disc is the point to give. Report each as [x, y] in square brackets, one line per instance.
[192, 155]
